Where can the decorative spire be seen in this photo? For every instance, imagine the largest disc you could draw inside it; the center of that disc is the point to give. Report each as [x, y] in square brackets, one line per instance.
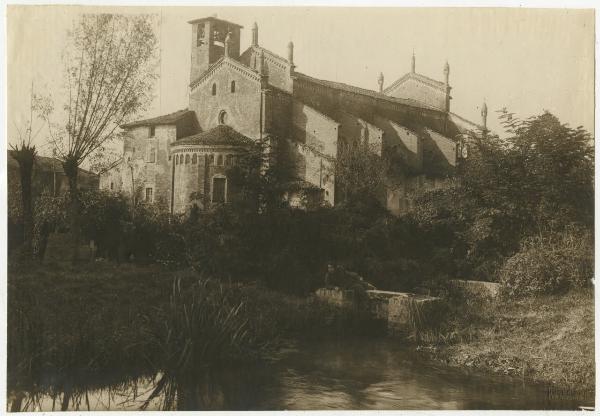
[447, 73]
[484, 111]
[261, 61]
[380, 82]
[412, 62]
[227, 44]
[290, 50]
[254, 34]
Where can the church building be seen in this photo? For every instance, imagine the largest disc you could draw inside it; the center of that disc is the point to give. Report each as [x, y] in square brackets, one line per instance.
[239, 97]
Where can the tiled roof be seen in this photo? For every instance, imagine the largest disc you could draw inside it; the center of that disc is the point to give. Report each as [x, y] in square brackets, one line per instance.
[220, 135]
[44, 164]
[272, 54]
[166, 119]
[362, 91]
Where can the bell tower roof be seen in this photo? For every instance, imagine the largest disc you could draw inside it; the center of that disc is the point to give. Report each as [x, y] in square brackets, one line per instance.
[214, 19]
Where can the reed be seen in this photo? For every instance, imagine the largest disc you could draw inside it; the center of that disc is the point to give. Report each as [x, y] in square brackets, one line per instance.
[201, 327]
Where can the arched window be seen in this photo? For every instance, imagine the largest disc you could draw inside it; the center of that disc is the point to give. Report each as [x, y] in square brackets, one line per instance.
[187, 159]
[194, 159]
[228, 160]
[214, 89]
[232, 86]
[220, 160]
[211, 159]
[223, 117]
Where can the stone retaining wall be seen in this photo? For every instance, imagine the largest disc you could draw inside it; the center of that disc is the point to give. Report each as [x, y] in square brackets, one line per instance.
[400, 311]
[476, 288]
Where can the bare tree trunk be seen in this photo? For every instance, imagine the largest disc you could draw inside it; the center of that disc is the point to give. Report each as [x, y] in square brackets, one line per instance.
[25, 156]
[66, 399]
[17, 402]
[71, 169]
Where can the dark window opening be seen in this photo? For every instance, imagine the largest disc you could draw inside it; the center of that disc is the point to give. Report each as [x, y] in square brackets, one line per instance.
[112, 186]
[194, 159]
[214, 89]
[223, 117]
[187, 159]
[152, 131]
[218, 195]
[220, 160]
[200, 35]
[232, 86]
[228, 160]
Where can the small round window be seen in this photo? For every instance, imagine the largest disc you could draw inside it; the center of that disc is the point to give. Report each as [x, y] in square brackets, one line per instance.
[222, 117]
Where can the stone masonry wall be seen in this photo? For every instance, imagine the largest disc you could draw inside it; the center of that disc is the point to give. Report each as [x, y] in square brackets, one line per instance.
[416, 90]
[243, 107]
[149, 158]
[195, 168]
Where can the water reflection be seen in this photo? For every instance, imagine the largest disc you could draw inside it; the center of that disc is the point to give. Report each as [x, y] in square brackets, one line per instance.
[349, 374]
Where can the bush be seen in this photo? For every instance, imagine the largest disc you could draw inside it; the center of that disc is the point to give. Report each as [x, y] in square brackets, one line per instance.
[549, 263]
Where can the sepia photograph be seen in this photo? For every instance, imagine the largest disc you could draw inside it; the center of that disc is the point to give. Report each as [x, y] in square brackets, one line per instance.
[299, 208]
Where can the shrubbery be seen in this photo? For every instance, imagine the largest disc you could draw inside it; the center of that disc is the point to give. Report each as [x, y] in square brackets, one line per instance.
[550, 263]
[485, 225]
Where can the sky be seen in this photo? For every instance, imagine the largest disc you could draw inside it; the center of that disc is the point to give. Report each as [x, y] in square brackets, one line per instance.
[527, 60]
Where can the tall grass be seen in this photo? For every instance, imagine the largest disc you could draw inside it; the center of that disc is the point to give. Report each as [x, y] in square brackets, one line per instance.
[201, 327]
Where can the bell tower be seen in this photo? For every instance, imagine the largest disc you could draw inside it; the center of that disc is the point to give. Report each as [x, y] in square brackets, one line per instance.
[208, 43]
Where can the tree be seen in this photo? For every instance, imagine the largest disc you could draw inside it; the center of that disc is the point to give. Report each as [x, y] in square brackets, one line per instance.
[109, 75]
[24, 152]
[537, 180]
[361, 174]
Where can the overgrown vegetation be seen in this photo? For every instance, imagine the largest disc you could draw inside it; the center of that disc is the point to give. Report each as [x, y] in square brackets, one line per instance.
[547, 338]
[74, 328]
[519, 211]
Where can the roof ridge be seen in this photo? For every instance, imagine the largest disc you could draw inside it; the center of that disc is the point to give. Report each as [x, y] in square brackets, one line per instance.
[176, 115]
[367, 92]
[218, 135]
[273, 54]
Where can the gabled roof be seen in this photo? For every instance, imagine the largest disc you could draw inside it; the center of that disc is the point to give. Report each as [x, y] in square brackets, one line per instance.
[362, 91]
[250, 73]
[166, 119]
[269, 54]
[418, 77]
[221, 135]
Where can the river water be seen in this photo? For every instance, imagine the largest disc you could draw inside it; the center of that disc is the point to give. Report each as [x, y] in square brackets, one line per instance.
[358, 374]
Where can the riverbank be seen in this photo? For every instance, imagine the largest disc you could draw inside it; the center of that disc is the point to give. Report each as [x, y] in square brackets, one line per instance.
[91, 325]
[74, 328]
[548, 339]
